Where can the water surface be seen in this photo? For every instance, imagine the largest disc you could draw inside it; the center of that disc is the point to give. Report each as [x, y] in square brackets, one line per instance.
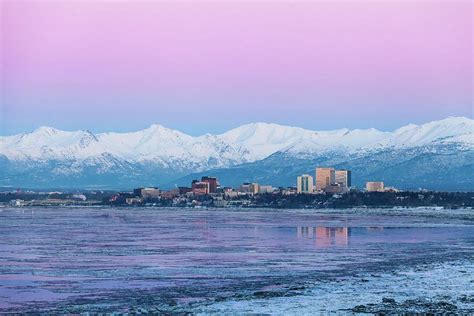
[104, 259]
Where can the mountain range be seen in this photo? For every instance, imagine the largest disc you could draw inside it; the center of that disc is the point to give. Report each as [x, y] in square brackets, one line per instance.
[437, 155]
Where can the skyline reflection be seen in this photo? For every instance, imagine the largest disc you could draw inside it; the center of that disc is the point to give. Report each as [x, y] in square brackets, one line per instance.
[325, 236]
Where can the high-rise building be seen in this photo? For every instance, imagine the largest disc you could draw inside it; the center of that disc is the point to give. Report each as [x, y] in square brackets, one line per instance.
[325, 177]
[373, 186]
[212, 183]
[304, 184]
[343, 178]
[200, 188]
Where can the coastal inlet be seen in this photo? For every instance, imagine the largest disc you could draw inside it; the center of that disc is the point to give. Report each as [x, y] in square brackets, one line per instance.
[73, 260]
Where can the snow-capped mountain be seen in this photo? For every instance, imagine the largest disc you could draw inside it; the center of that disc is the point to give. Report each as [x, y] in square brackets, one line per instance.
[159, 154]
[155, 144]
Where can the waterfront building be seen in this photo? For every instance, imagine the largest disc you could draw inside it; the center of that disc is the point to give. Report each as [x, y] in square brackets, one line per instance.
[325, 177]
[304, 184]
[374, 186]
[343, 178]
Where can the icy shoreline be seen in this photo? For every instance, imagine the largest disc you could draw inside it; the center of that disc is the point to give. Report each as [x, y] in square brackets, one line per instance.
[427, 288]
[455, 216]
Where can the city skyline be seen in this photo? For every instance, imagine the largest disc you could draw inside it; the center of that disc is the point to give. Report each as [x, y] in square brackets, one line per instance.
[122, 66]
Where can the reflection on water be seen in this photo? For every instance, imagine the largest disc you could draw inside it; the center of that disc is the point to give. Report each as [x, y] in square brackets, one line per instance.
[330, 236]
[326, 236]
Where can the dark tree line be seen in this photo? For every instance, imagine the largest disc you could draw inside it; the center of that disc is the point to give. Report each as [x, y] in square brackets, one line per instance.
[372, 199]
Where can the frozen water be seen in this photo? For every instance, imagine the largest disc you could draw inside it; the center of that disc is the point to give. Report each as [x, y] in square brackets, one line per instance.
[235, 261]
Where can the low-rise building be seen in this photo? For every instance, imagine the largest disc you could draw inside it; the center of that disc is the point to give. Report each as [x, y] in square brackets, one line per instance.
[249, 188]
[231, 194]
[336, 189]
[147, 193]
[17, 203]
[133, 201]
[169, 194]
[374, 186]
[263, 189]
[289, 191]
[220, 202]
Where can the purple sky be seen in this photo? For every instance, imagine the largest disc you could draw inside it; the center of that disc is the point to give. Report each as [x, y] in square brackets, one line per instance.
[208, 67]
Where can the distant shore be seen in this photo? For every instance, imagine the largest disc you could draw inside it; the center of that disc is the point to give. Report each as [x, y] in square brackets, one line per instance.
[354, 199]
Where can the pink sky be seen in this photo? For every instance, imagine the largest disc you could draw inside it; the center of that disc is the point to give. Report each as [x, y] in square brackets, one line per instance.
[318, 65]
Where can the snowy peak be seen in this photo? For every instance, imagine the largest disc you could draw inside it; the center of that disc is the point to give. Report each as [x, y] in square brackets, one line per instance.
[247, 143]
[45, 130]
[263, 132]
[157, 130]
[264, 139]
[416, 135]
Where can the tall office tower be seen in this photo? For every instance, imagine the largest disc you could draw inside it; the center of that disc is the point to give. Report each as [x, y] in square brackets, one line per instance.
[343, 178]
[305, 184]
[325, 177]
[212, 183]
[200, 188]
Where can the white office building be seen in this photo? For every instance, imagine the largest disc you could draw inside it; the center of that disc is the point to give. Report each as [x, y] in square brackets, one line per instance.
[305, 184]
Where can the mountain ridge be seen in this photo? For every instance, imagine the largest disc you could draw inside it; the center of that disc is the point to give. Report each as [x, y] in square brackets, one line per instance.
[276, 137]
[159, 155]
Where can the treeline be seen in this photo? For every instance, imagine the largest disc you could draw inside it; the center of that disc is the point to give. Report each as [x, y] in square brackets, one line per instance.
[5, 197]
[369, 199]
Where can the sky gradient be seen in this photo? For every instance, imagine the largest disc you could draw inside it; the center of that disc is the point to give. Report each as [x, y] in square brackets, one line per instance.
[208, 67]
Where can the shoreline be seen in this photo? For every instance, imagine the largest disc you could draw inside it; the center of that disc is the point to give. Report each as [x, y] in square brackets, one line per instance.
[250, 208]
[448, 217]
